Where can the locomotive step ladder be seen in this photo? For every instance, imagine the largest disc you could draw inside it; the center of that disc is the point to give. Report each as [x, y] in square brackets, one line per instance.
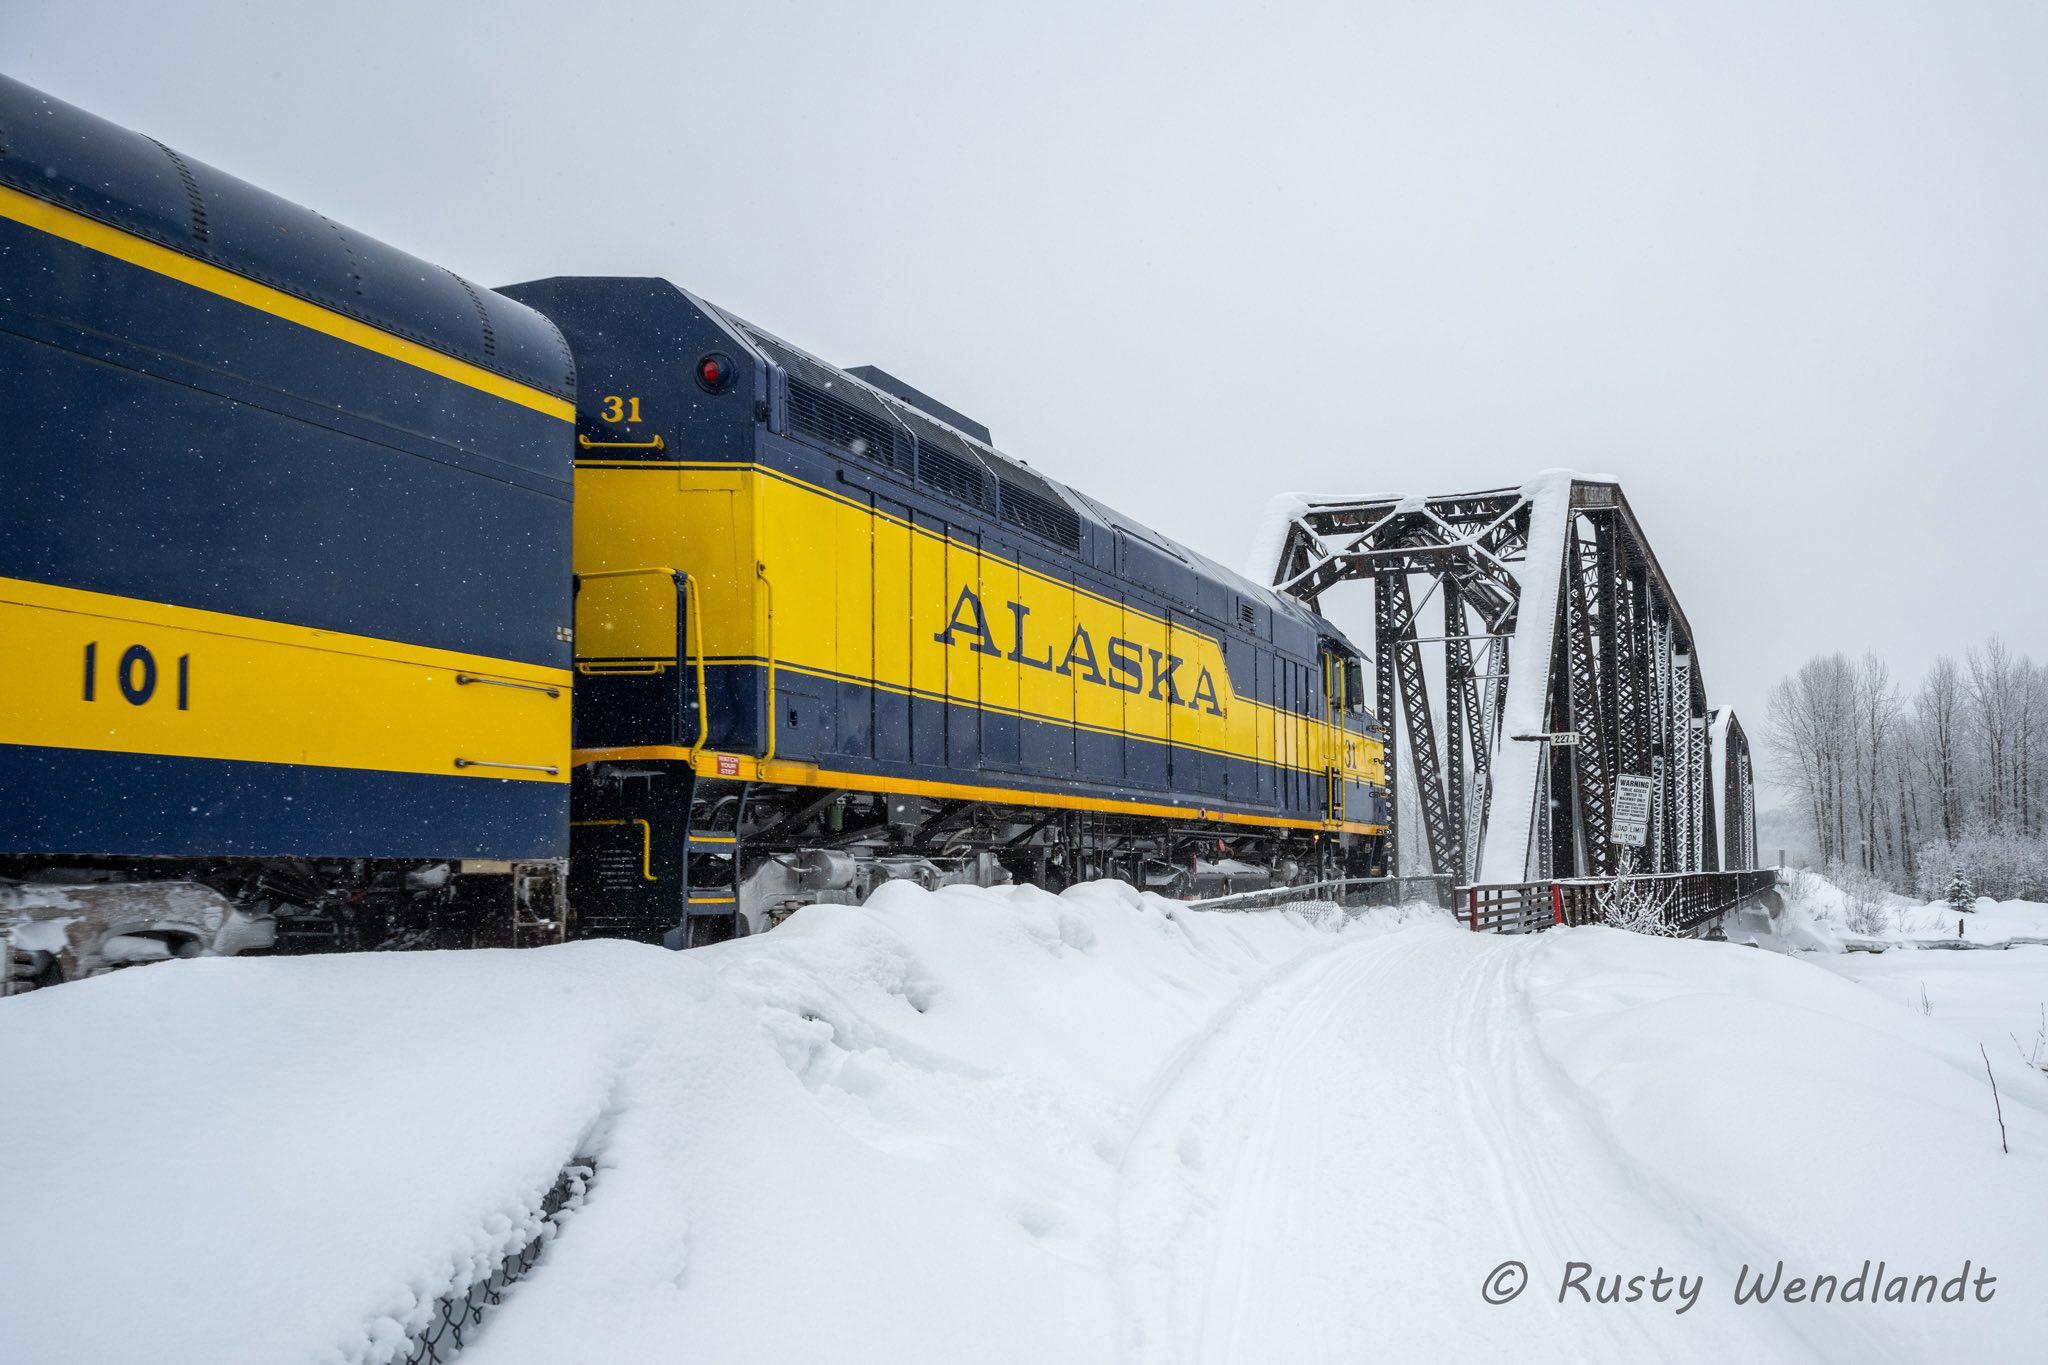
[712, 865]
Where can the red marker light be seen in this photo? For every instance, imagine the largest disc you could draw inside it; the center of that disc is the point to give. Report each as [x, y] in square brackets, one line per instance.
[714, 373]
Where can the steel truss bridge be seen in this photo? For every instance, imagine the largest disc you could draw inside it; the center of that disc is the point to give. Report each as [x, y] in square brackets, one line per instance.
[1538, 682]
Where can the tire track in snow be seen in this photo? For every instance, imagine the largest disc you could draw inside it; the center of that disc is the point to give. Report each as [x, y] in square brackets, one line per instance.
[1190, 1112]
[1335, 1172]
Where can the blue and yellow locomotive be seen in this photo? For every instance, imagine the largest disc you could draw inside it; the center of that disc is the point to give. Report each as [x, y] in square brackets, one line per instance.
[827, 635]
[299, 530]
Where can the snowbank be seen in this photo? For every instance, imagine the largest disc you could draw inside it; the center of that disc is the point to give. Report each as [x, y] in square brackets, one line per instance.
[998, 1126]
[904, 1117]
[1788, 1115]
[1819, 916]
[1999, 1000]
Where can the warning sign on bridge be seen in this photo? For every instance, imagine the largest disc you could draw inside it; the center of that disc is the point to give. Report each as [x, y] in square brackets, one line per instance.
[1631, 810]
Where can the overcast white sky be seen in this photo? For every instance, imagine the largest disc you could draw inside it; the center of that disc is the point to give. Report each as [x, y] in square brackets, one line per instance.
[1781, 267]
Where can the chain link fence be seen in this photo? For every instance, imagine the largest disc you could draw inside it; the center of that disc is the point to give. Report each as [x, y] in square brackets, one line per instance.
[457, 1316]
[1350, 893]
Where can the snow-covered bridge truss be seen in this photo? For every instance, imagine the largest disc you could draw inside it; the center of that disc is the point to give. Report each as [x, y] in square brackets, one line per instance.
[1555, 677]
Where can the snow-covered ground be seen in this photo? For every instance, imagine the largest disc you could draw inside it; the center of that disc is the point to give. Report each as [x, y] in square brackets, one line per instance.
[1923, 957]
[1819, 916]
[1006, 1126]
[1997, 999]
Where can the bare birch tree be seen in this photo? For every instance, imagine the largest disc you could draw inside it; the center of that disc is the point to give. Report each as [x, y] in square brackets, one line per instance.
[1938, 709]
[1906, 795]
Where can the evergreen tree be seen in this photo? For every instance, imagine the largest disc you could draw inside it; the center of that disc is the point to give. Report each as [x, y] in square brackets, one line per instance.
[1961, 895]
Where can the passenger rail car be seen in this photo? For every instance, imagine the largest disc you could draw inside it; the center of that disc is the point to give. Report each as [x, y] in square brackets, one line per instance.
[828, 635]
[284, 548]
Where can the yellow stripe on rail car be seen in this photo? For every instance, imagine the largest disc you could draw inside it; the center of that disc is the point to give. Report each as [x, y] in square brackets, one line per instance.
[139, 251]
[88, 670]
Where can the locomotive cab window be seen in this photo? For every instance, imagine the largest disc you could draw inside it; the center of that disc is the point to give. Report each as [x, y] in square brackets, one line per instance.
[1354, 686]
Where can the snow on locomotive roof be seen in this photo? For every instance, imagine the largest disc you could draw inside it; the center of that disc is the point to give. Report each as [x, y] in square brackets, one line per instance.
[63, 155]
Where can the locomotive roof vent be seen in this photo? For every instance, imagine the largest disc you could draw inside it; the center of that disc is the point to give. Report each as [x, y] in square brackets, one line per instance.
[923, 402]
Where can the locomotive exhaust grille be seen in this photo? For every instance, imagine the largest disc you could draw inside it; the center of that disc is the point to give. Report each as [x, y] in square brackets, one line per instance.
[836, 422]
[951, 475]
[1039, 515]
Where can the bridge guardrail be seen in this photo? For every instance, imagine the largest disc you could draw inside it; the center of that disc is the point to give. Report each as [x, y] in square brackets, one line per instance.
[1689, 899]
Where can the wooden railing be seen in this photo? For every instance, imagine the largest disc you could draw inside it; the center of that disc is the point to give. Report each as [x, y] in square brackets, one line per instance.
[1515, 908]
[1689, 900]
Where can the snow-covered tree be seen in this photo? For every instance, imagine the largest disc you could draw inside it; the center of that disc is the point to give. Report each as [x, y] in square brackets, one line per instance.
[1960, 895]
[1864, 898]
[1638, 904]
[1906, 793]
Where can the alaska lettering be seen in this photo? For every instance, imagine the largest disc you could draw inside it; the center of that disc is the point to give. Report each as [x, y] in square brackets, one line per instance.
[975, 626]
[1126, 659]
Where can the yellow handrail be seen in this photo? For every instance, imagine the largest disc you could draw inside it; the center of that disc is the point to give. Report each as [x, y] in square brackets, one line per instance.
[627, 573]
[768, 595]
[693, 605]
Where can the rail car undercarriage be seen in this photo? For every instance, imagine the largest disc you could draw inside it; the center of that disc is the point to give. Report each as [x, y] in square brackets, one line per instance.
[662, 855]
[65, 919]
[743, 858]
